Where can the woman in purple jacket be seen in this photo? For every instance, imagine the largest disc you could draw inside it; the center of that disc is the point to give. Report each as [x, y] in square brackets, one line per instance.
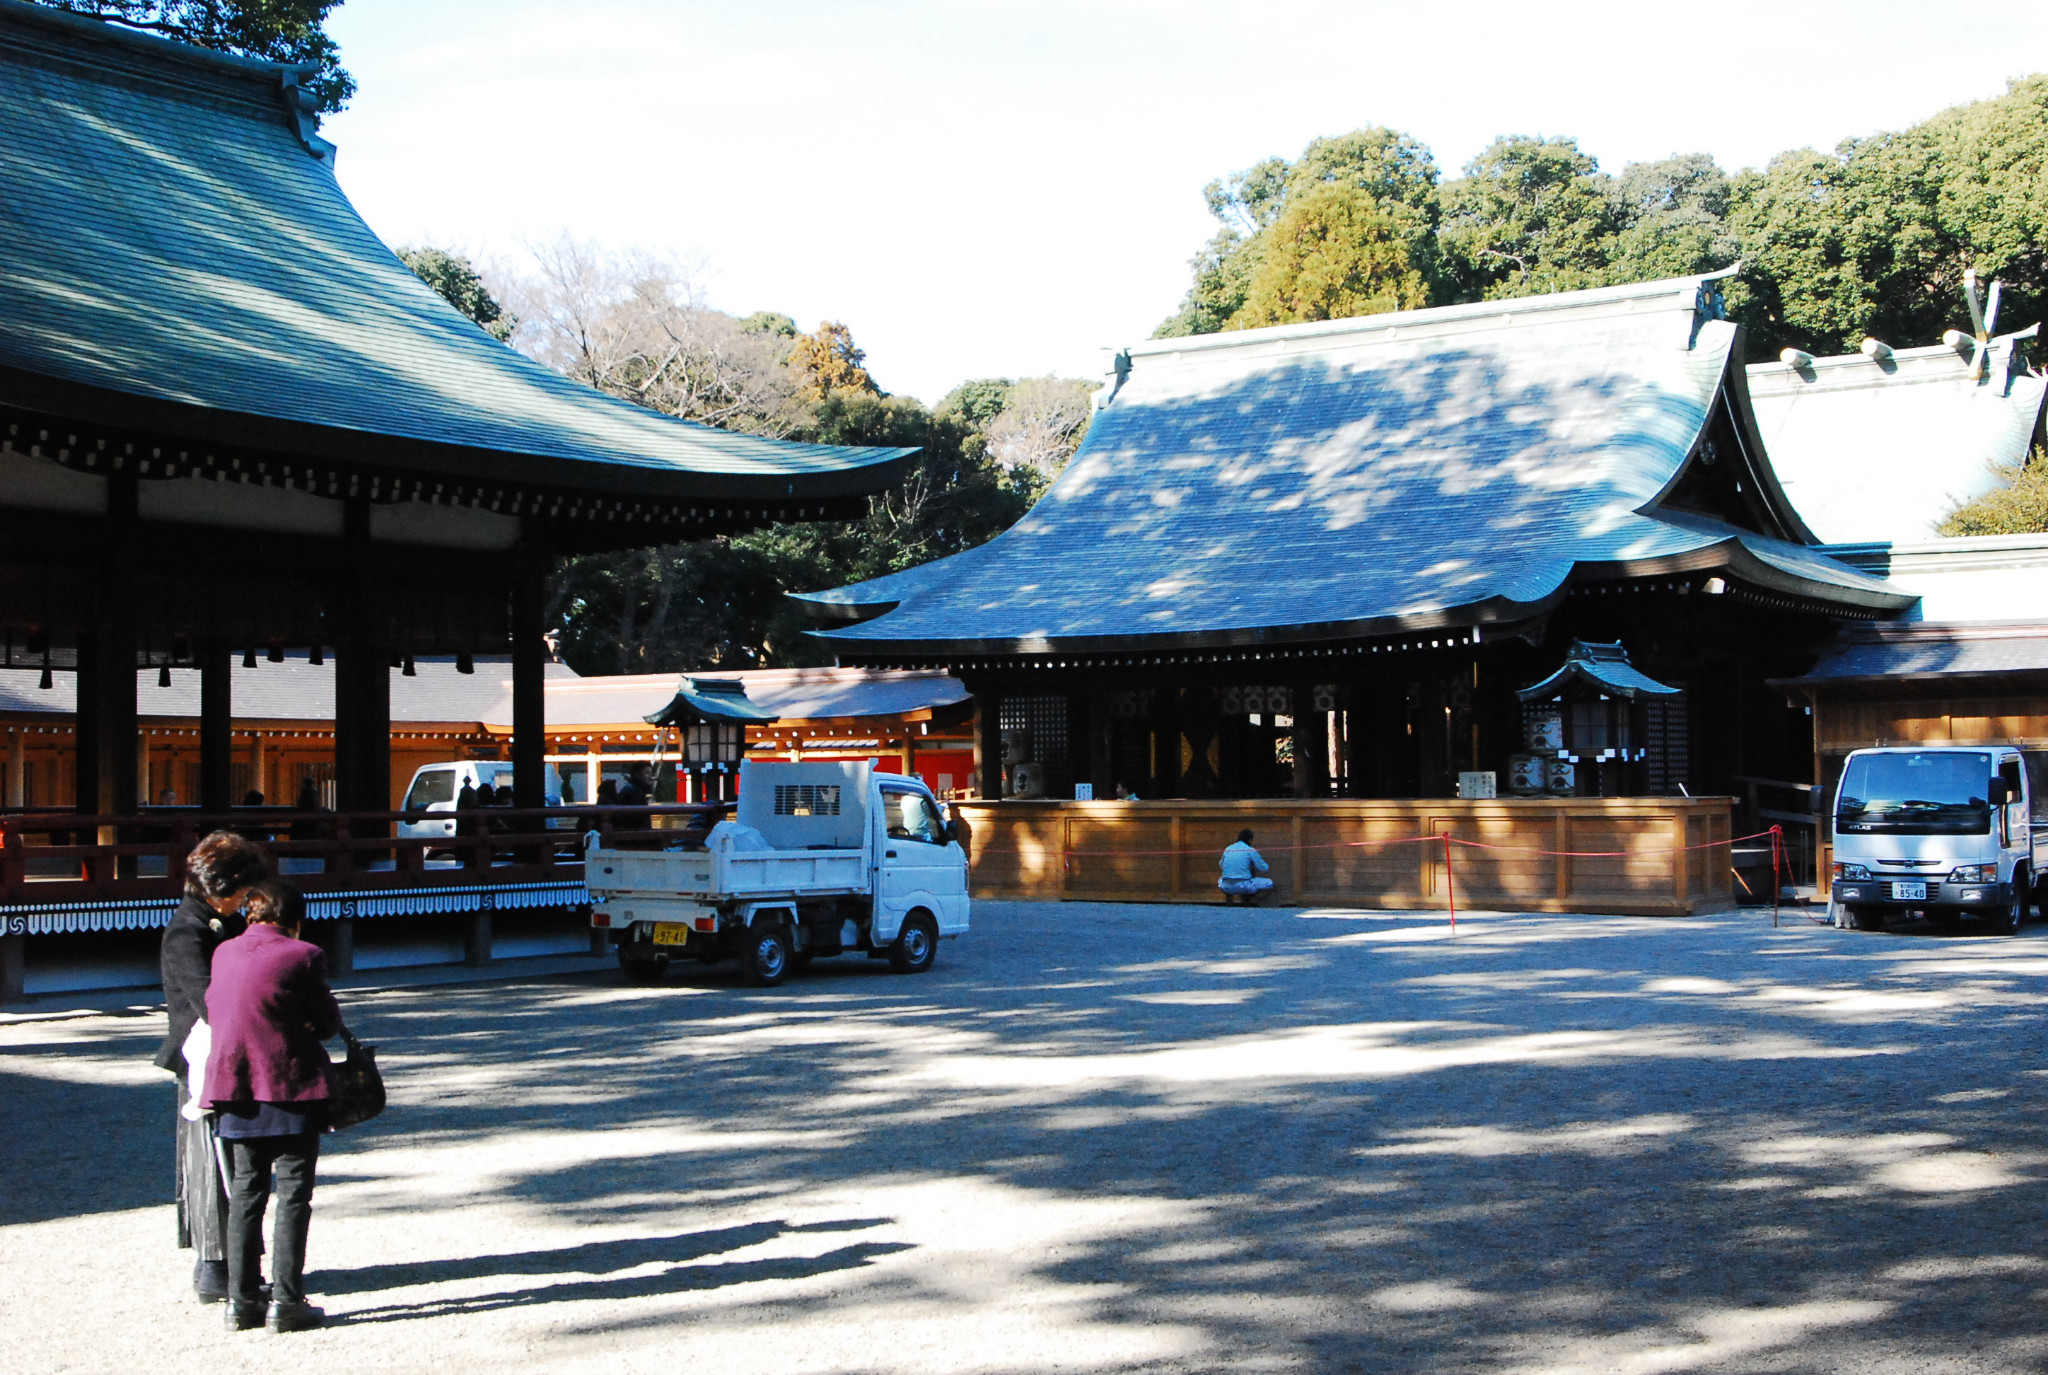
[268, 1081]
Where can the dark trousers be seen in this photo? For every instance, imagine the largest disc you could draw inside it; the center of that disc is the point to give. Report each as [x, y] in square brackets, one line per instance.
[250, 1165]
[202, 1195]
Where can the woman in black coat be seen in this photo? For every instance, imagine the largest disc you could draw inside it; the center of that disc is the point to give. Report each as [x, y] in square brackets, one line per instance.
[218, 875]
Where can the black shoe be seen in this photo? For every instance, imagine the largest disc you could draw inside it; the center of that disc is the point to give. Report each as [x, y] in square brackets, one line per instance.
[210, 1280]
[295, 1317]
[240, 1315]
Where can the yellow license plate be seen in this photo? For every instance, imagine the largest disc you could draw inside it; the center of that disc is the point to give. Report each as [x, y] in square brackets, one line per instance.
[671, 933]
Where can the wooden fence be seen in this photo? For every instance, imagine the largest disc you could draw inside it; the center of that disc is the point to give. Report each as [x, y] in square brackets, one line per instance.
[1651, 856]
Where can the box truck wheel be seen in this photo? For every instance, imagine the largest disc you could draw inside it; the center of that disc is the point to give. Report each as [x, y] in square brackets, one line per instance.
[640, 966]
[917, 944]
[1863, 917]
[766, 952]
[2016, 906]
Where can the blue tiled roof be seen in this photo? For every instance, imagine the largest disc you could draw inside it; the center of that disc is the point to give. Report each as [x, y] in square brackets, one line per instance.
[1923, 650]
[171, 237]
[1604, 667]
[710, 699]
[1439, 467]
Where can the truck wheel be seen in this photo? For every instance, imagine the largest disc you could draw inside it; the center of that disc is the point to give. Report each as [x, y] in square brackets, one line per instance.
[2016, 906]
[767, 955]
[1859, 917]
[917, 944]
[642, 968]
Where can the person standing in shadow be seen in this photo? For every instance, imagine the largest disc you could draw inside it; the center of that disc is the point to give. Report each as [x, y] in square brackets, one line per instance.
[219, 873]
[269, 1082]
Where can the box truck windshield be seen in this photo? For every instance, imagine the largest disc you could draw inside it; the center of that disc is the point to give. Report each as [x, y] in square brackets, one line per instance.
[1931, 792]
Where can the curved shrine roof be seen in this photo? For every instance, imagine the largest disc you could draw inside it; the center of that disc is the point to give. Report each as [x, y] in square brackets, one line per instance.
[176, 254]
[1404, 471]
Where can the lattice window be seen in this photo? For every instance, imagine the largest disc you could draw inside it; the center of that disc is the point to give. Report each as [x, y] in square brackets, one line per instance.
[1669, 753]
[1045, 717]
[807, 799]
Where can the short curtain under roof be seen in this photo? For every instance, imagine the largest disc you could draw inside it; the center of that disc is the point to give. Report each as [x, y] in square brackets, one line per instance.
[1433, 468]
[175, 254]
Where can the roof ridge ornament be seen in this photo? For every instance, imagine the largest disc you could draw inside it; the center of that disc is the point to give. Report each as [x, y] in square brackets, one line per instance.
[304, 109]
[1707, 301]
[1120, 369]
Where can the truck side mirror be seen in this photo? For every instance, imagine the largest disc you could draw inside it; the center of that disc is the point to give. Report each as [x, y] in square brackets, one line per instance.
[1816, 799]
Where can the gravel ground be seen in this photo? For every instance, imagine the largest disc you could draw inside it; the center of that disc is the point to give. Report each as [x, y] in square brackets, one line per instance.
[1124, 1138]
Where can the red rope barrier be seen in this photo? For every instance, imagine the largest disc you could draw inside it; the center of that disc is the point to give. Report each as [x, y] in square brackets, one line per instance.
[1406, 840]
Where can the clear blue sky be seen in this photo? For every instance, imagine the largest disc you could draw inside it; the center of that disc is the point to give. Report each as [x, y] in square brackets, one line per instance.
[980, 189]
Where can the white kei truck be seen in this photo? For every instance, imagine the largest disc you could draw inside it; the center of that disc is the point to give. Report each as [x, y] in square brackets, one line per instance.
[1941, 831]
[822, 859]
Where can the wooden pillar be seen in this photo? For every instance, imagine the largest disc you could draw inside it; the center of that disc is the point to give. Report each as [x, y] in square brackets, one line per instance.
[529, 677]
[362, 679]
[216, 726]
[988, 743]
[1101, 760]
[17, 769]
[106, 718]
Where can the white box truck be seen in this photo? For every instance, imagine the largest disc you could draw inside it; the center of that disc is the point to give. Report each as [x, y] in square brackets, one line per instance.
[821, 859]
[1942, 831]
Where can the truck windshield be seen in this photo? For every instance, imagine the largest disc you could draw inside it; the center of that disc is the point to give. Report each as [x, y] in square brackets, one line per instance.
[1931, 792]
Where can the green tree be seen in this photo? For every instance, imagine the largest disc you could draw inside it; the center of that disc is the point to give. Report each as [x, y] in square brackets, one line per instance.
[291, 31]
[455, 278]
[1335, 252]
[1347, 224]
[1673, 218]
[770, 322]
[2018, 505]
[1874, 238]
[1530, 215]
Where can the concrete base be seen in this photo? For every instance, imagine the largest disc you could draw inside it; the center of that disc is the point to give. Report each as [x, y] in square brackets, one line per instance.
[476, 943]
[340, 944]
[13, 967]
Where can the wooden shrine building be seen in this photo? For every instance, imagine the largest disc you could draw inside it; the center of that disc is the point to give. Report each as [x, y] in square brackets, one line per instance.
[1323, 559]
[232, 422]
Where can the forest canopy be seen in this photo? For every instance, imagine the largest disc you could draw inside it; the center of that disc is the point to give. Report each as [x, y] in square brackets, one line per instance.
[1870, 238]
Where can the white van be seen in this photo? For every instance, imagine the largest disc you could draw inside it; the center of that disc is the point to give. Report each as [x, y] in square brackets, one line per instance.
[1944, 831]
[436, 786]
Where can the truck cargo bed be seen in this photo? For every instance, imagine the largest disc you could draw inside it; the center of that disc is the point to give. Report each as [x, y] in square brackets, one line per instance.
[746, 874]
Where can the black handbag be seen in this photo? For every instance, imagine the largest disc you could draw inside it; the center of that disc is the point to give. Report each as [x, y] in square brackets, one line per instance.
[358, 1087]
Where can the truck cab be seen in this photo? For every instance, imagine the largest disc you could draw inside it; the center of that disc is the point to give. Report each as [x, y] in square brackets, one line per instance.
[1943, 832]
[821, 859]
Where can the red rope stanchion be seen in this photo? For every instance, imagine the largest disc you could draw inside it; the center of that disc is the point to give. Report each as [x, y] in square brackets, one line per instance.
[1450, 890]
[1777, 884]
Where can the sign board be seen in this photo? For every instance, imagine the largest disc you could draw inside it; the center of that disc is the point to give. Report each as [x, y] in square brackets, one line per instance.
[1478, 785]
[1084, 792]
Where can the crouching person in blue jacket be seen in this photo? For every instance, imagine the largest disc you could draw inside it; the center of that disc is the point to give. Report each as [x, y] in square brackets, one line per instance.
[1244, 873]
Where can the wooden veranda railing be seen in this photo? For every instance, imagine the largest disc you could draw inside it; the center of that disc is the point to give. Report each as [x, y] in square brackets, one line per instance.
[68, 857]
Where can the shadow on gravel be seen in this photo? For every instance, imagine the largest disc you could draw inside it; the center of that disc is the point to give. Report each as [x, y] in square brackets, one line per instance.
[592, 1258]
[68, 1149]
[680, 1277]
[1198, 1138]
